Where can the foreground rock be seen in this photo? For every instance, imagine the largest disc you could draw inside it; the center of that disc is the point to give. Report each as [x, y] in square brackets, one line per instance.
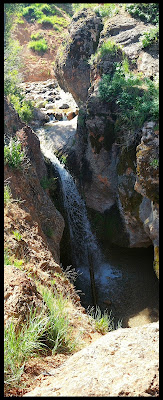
[122, 363]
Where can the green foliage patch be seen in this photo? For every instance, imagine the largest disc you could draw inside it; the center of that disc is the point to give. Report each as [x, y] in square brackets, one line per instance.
[13, 154]
[150, 37]
[148, 12]
[39, 46]
[136, 98]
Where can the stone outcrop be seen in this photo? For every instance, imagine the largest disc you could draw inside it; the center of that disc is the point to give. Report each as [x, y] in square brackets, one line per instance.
[72, 69]
[106, 166]
[123, 363]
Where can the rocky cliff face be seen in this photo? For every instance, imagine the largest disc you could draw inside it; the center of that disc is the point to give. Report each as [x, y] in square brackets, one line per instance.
[25, 184]
[117, 175]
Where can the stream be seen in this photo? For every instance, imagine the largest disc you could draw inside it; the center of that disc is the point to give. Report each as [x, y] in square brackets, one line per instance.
[120, 280]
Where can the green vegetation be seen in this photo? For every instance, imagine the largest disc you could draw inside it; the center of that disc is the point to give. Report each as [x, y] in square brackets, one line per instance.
[13, 154]
[19, 346]
[11, 260]
[150, 37]
[12, 80]
[148, 12]
[17, 235]
[59, 333]
[45, 14]
[48, 183]
[47, 331]
[103, 321]
[38, 45]
[136, 98]
[109, 47]
[155, 163]
[7, 195]
[36, 36]
[104, 10]
[55, 22]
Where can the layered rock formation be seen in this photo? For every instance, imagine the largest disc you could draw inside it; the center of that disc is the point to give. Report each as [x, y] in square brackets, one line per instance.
[108, 166]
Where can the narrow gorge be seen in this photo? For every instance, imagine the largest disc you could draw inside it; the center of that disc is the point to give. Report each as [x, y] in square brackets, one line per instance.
[82, 207]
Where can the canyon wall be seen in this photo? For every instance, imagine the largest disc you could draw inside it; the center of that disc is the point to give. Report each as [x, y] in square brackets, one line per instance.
[116, 173]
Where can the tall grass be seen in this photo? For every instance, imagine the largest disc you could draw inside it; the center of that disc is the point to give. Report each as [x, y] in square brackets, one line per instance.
[19, 346]
[59, 328]
[43, 332]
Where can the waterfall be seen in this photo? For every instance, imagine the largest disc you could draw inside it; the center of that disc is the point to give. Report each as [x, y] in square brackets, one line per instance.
[86, 255]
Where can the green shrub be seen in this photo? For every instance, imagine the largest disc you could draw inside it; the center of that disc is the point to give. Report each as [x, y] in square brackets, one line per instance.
[32, 12]
[11, 260]
[107, 10]
[109, 47]
[136, 98]
[38, 45]
[148, 12]
[13, 154]
[36, 36]
[56, 22]
[149, 37]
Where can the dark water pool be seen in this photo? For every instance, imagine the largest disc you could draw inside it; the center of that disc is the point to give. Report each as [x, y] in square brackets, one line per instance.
[126, 284]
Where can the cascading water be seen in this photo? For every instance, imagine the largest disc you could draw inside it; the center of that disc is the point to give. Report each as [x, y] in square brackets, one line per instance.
[86, 254]
[117, 284]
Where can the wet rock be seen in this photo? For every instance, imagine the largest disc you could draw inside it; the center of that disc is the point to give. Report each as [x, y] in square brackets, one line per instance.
[64, 105]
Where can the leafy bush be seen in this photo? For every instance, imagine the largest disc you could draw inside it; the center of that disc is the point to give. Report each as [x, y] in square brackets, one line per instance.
[12, 80]
[36, 36]
[149, 37]
[56, 22]
[107, 10]
[108, 47]
[38, 45]
[148, 12]
[32, 12]
[136, 98]
[13, 154]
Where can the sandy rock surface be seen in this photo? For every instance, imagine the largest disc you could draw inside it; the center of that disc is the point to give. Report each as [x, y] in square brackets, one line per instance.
[121, 363]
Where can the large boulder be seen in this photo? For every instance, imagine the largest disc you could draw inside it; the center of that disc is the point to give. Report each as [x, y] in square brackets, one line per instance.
[122, 363]
[72, 69]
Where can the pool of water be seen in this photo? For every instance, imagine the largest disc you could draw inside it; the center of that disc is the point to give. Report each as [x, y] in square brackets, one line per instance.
[125, 284]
